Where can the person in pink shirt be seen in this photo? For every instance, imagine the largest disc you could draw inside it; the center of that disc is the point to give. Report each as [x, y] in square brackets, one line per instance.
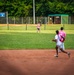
[38, 27]
[62, 34]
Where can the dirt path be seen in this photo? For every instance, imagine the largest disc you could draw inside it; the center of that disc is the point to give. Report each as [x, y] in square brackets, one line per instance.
[35, 62]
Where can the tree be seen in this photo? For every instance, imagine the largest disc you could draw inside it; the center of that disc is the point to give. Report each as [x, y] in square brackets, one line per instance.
[43, 7]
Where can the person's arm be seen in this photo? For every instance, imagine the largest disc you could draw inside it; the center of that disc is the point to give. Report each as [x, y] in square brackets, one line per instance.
[54, 40]
[63, 38]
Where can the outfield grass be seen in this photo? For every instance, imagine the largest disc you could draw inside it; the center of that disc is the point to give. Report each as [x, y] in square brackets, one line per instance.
[19, 40]
[31, 40]
[17, 37]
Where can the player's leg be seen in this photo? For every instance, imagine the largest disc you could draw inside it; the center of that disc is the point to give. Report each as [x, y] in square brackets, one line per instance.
[59, 50]
[56, 51]
[39, 30]
[65, 52]
[62, 47]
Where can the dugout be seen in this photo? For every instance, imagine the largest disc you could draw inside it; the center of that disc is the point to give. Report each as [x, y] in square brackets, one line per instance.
[58, 18]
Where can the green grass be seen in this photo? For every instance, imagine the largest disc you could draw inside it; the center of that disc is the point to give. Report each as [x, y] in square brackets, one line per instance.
[69, 43]
[19, 40]
[17, 37]
[31, 40]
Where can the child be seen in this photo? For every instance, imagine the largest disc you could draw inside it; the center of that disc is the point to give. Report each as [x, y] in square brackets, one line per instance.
[38, 27]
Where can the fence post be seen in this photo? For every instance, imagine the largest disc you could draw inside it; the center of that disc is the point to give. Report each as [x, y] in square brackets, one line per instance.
[7, 20]
[22, 20]
[14, 20]
[44, 26]
[26, 26]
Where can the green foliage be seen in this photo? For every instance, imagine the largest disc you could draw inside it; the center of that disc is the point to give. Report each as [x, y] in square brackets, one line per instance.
[42, 7]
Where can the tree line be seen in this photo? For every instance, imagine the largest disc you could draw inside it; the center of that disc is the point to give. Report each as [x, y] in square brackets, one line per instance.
[22, 8]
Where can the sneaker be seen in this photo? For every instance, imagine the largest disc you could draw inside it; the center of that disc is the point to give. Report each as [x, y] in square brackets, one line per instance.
[68, 54]
[56, 55]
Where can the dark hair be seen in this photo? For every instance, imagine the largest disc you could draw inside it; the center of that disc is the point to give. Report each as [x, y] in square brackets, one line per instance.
[61, 28]
[39, 22]
[57, 32]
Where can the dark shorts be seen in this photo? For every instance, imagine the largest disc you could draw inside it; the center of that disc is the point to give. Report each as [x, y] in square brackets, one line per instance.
[38, 28]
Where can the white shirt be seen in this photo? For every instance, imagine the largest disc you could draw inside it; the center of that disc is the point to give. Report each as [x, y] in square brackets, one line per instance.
[58, 40]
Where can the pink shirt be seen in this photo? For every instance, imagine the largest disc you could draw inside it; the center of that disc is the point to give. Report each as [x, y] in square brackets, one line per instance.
[38, 25]
[62, 34]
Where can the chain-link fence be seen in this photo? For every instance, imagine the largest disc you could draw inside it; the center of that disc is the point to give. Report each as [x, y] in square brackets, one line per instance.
[29, 20]
[23, 20]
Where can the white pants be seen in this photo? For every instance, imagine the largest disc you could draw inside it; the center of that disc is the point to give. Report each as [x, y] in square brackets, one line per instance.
[62, 46]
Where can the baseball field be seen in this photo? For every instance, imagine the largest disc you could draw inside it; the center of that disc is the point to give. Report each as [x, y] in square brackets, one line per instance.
[26, 52]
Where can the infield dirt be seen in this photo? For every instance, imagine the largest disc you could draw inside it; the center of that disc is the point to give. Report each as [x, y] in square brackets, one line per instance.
[35, 62]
